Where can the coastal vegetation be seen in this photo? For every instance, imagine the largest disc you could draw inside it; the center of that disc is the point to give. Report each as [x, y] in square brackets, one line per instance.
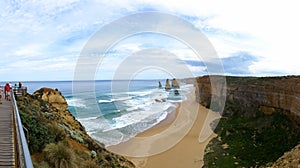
[57, 139]
[251, 141]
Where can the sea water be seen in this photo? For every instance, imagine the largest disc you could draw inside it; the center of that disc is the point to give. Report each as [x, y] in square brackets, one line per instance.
[115, 111]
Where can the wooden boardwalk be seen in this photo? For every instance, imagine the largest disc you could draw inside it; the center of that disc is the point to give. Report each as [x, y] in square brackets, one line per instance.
[7, 145]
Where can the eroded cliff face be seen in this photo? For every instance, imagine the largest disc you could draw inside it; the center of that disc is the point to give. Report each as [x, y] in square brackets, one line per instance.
[53, 97]
[62, 116]
[267, 95]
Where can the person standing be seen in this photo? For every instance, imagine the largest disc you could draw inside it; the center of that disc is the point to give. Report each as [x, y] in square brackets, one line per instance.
[7, 91]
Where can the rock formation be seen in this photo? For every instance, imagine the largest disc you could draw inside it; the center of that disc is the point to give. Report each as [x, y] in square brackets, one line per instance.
[168, 86]
[54, 97]
[175, 83]
[159, 85]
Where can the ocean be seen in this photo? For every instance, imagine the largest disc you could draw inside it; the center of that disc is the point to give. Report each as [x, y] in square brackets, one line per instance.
[115, 111]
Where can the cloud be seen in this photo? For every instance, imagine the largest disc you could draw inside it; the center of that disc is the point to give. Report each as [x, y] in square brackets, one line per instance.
[34, 33]
[239, 64]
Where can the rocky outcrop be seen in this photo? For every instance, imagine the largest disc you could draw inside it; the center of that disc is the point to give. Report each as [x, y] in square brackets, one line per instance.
[289, 159]
[168, 86]
[159, 85]
[265, 94]
[54, 97]
[175, 83]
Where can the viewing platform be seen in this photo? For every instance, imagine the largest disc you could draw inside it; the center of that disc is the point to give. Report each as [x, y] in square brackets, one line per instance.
[19, 91]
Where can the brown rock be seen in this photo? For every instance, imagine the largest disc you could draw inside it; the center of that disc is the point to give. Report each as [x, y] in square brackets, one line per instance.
[55, 98]
[168, 86]
[289, 159]
[267, 110]
[175, 83]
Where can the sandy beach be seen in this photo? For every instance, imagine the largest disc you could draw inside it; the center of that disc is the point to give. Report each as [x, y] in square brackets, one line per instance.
[178, 141]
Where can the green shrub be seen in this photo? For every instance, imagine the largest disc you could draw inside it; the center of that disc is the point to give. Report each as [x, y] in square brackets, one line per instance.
[38, 132]
[59, 155]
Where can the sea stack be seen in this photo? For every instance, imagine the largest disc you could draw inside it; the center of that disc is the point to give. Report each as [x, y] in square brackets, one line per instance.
[159, 85]
[175, 83]
[168, 86]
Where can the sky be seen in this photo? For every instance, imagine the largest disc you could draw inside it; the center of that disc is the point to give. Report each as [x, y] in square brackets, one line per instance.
[44, 40]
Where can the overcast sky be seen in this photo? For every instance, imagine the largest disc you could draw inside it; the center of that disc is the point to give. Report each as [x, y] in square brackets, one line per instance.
[42, 40]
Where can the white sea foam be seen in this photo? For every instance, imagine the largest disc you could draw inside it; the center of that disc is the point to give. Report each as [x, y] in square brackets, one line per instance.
[134, 112]
[132, 109]
[115, 99]
[104, 101]
[149, 113]
[114, 136]
[75, 102]
[141, 93]
[86, 119]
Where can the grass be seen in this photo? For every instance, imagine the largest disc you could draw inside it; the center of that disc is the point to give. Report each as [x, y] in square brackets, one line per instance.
[59, 155]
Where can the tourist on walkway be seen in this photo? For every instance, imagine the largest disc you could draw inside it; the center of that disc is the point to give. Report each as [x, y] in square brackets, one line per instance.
[7, 92]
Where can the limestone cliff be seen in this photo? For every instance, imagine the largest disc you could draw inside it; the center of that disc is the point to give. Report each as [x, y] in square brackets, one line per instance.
[252, 96]
[267, 95]
[53, 97]
[52, 128]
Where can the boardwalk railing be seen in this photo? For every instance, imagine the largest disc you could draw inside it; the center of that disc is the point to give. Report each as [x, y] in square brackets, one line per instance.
[19, 91]
[22, 152]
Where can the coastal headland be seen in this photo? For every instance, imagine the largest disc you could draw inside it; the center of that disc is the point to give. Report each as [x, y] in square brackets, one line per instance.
[56, 138]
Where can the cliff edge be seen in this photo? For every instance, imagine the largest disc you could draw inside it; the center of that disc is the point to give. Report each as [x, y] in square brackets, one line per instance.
[56, 138]
[256, 94]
